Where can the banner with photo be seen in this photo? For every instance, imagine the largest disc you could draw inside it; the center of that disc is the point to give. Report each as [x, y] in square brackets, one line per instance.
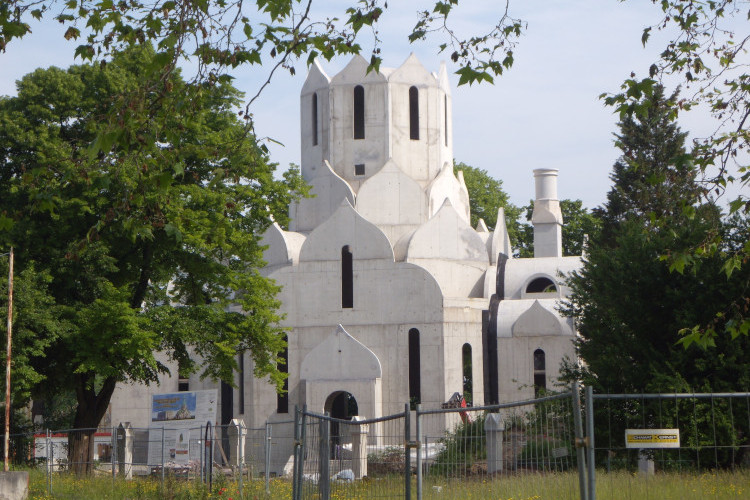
[178, 417]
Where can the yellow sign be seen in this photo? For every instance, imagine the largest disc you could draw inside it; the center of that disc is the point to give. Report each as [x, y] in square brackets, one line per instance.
[652, 438]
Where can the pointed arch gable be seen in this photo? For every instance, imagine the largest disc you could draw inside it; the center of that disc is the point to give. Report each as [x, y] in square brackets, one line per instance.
[346, 227]
[446, 185]
[282, 247]
[447, 236]
[537, 320]
[392, 197]
[328, 190]
[340, 357]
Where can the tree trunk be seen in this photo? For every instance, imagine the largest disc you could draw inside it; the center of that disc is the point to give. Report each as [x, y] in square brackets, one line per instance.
[81, 450]
[92, 407]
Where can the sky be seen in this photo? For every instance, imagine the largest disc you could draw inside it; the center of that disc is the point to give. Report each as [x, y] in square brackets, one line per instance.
[545, 112]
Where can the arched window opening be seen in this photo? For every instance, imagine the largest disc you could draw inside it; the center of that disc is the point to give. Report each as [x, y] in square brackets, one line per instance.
[467, 373]
[445, 118]
[314, 119]
[359, 112]
[413, 113]
[541, 285]
[415, 390]
[347, 278]
[282, 400]
[183, 376]
[540, 375]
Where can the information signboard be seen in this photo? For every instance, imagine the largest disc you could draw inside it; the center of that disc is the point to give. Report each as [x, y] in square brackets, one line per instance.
[652, 438]
[175, 415]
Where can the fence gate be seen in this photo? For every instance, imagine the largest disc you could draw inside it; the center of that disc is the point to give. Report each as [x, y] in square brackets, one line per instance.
[335, 458]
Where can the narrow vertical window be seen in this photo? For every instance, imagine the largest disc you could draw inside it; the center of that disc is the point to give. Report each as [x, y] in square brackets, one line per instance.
[540, 376]
[314, 118]
[445, 118]
[359, 112]
[241, 385]
[415, 391]
[347, 279]
[467, 373]
[183, 381]
[413, 113]
[282, 400]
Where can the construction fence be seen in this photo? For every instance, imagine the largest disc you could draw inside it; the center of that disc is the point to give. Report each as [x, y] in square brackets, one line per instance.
[572, 445]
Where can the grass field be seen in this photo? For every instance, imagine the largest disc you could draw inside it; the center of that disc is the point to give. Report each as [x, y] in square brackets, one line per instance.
[553, 486]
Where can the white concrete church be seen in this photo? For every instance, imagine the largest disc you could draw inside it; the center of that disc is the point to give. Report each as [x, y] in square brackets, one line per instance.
[387, 290]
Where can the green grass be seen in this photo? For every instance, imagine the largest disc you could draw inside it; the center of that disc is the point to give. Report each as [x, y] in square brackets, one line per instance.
[531, 486]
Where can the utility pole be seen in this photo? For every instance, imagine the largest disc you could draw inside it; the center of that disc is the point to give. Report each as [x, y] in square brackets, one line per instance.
[7, 361]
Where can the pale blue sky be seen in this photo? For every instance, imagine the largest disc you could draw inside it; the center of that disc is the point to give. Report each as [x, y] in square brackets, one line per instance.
[544, 112]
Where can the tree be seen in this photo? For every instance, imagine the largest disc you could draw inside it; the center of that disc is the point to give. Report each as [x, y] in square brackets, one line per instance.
[578, 223]
[140, 243]
[707, 49]
[486, 197]
[654, 179]
[628, 305]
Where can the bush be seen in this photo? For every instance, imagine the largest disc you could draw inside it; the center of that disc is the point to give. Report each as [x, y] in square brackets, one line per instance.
[462, 449]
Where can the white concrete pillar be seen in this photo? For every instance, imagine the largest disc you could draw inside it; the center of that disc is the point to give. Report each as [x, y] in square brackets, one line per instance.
[547, 217]
[645, 464]
[494, 429]
[237, 434]
[125, 449]
[359, 447]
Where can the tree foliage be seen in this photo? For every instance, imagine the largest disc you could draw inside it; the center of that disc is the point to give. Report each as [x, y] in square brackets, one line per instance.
[654, 179]
[707, 50]
[628, 303]
[136, 246]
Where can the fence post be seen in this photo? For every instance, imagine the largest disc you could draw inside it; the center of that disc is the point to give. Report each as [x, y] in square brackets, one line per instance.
[201, 452]
[324, 455]
[295, 462]
[302, 450]
[591, 449]
[162, 458]
[49, 464]
[242, 462]
[407, 454]
[113, 455]
[419, 451]
[580, 442]
[210, 456]
[268, 457]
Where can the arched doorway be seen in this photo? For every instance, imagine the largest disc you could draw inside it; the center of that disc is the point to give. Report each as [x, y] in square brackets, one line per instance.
[343, 406]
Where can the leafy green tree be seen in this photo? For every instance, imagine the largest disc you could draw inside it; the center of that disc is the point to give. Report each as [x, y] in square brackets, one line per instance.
[486, 197]
[629, 308]
[706, 48]
[143, 241]
[654, 179]
[628, 304]
[578, 223]
[36, 326]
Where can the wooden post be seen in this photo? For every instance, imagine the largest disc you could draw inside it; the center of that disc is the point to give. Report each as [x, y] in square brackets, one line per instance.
[7, 361]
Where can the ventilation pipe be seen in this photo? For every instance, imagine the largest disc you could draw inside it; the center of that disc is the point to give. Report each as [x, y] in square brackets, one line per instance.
[547, 217]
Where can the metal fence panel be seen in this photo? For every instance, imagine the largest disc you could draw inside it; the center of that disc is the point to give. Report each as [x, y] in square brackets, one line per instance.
[353, 458]
[712, 459]
[517, 450]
